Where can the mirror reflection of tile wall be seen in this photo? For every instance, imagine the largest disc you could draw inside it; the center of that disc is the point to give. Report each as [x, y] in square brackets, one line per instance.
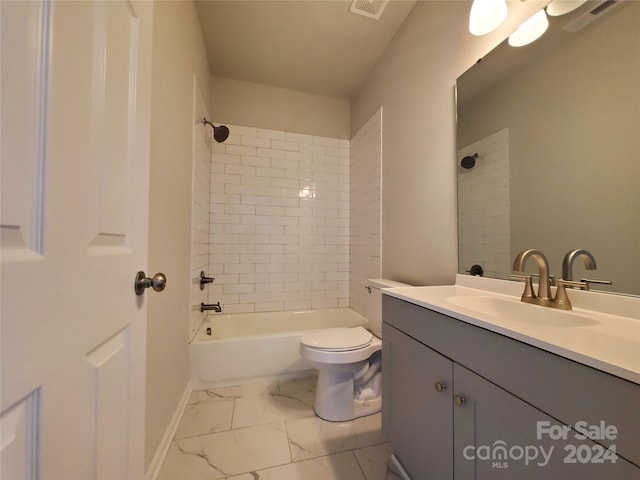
[483, 206]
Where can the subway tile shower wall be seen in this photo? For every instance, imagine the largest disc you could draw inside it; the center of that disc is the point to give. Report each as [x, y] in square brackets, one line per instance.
[366, 158]
[279, 221]
[483, 206]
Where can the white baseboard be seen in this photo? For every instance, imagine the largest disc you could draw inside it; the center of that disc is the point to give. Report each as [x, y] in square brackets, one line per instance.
[167, 438]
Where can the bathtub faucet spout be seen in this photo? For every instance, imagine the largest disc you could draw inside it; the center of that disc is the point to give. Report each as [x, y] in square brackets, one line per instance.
[211, 306]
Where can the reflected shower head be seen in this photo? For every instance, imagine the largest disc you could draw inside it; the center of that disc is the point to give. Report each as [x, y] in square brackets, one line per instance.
[469, 161]
[220, 133]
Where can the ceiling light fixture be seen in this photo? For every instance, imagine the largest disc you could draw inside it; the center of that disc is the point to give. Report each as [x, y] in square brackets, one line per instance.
[486, 16]
[530, 31]
[560, 7]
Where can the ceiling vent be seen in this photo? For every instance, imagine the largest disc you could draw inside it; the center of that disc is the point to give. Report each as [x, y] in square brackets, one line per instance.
[368, 8]
[594, 14]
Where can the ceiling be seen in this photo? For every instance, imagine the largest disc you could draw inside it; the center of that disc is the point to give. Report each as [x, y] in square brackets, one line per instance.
[314, 46]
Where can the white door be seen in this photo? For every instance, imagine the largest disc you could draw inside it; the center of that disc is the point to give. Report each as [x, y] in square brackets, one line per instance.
[75, 94]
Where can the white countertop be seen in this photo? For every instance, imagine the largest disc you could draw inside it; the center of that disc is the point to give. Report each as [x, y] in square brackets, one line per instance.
[605, 341]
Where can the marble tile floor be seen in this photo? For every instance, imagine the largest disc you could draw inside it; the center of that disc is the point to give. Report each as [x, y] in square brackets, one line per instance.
[270, 432]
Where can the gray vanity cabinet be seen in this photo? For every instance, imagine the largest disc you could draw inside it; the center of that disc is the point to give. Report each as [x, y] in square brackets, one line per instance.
[491, 418]
[459, 403]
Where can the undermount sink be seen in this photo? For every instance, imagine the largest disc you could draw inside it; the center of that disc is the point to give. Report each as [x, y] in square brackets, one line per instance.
[521, 312]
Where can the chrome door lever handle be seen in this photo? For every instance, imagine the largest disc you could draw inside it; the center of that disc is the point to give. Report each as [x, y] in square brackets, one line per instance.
[158, 282]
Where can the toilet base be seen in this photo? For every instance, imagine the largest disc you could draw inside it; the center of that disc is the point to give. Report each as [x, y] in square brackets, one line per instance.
[367, 407]
[360, 409]
[334, 398]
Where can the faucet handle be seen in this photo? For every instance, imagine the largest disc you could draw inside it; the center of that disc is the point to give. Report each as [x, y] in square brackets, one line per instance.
[571, 283]
[562, 299]
[552, 278]
[528, 285]
[588, 282]
[204, 280]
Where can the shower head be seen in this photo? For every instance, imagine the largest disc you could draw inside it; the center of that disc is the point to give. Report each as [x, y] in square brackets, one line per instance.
[220, 133]
[469, 161]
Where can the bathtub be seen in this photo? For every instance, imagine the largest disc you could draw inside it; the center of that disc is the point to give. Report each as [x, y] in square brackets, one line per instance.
[251, 347]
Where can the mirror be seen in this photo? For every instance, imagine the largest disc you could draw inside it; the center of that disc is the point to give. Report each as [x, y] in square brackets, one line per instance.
[556, 129]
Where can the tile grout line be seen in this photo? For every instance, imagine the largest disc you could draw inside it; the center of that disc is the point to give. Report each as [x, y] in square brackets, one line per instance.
[233, 411]
[286, 429]
[353, 452]
[326, 455]
[290, 441]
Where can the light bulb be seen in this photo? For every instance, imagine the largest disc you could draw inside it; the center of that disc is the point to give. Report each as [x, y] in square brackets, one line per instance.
[486, 16]
[530, 30]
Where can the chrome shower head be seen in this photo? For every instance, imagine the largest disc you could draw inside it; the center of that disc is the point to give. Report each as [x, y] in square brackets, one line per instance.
[220, 133]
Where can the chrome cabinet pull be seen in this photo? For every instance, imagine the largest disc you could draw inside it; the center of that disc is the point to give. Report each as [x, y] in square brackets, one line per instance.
[158, 282]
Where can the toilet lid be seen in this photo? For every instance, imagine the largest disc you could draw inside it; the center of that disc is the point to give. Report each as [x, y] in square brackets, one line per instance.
[338, 339]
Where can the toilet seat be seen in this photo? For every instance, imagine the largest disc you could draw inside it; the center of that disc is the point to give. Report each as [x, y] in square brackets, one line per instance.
[344, 348]
[338, 339]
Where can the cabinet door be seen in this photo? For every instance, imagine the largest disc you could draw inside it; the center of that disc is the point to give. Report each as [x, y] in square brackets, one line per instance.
[417, 419]
[496, 437]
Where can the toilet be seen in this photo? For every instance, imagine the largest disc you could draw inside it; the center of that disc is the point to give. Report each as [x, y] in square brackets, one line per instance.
[349, 362]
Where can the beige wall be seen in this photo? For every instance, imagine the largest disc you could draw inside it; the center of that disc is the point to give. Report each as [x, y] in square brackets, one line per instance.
[178, 52]
[414, 83]
[254, 105]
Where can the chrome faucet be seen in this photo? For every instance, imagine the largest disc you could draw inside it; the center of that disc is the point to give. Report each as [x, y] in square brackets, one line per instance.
[544, 290]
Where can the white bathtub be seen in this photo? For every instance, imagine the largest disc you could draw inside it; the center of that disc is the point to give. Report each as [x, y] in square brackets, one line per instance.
[250, 347]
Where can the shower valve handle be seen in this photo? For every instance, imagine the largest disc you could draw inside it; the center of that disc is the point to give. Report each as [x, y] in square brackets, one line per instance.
[204, 280]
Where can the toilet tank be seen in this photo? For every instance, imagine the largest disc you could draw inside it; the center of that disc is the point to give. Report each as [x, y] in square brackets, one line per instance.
[374, 302]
